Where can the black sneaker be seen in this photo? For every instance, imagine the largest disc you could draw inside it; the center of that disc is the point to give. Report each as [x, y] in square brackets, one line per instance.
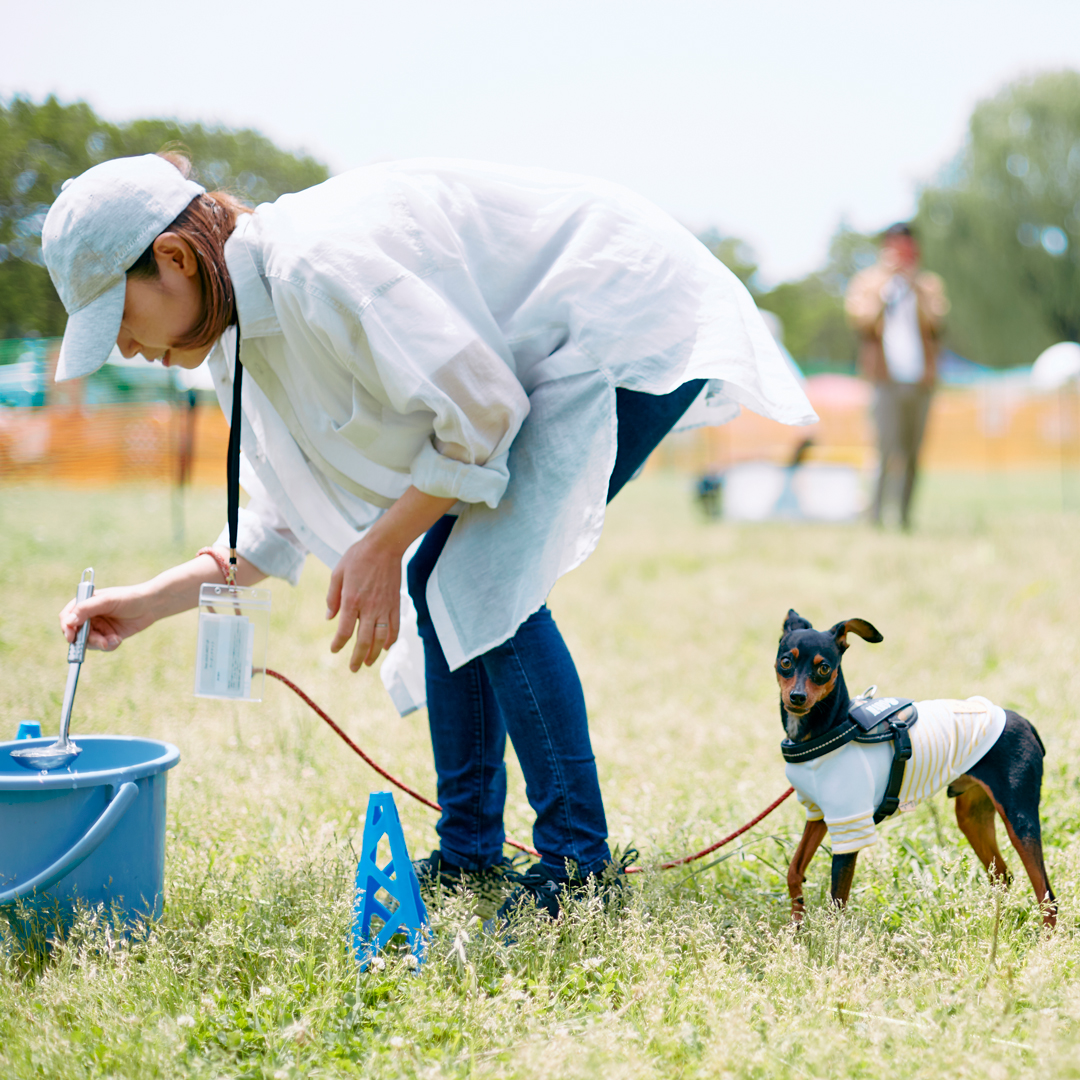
[539, 887]
[491, 883]
[543, 888]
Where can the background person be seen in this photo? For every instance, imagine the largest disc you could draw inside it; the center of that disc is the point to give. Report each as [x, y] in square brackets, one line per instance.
[478, 355]
[898, 311]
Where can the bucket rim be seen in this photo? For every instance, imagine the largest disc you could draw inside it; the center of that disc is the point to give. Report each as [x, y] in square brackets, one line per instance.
[28, 780]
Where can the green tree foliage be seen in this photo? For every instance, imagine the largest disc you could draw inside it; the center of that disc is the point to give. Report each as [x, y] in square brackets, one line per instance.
[737, 255]
[1002, 223]
[815, 331]
[811, 309]
[42, 145]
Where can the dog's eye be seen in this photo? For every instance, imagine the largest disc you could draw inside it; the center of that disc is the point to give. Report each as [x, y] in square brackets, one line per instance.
[823, 670]
[785, 663]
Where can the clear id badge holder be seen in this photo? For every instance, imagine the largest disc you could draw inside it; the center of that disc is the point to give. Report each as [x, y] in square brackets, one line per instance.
[234, 624]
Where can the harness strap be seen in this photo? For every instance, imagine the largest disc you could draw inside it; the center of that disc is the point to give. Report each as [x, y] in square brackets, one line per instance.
[891, 723]
[901, 755]
[833, 739]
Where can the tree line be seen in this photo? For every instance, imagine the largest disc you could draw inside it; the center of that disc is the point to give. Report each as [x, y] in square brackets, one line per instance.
[1000, 222]
[41, 145]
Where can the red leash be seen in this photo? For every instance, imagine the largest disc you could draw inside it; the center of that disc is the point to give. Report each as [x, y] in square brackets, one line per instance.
[719, 843]
[512, 843]
[223, 567]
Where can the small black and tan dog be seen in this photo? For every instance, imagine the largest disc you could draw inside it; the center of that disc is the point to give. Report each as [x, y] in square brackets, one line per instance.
[848, 763]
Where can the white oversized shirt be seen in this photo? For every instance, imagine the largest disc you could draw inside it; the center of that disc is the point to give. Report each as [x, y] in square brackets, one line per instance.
[846, 786]
[462, 328]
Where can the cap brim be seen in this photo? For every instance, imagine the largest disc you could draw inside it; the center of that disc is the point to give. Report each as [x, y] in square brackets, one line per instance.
[91, 333]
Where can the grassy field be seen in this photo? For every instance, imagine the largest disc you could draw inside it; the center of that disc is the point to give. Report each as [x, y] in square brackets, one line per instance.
[674, 623]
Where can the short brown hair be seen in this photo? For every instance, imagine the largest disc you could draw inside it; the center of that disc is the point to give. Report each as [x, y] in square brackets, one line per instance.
[205, 224]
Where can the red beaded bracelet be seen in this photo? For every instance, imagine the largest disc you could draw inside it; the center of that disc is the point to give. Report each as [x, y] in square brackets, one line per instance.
[223, 563]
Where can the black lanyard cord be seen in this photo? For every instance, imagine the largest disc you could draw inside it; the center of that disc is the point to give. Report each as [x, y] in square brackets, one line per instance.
[232, 466]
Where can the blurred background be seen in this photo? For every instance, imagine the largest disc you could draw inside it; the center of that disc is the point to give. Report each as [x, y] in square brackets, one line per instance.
[786, 137]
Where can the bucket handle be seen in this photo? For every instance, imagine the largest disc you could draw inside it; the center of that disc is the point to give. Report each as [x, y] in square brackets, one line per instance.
[80, 850]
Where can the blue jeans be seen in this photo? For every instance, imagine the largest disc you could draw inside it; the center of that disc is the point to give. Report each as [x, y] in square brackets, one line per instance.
[526, 687]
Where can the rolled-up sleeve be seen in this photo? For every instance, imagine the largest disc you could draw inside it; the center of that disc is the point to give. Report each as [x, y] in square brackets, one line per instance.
[436, 474]
[429, 357]
[425, 370]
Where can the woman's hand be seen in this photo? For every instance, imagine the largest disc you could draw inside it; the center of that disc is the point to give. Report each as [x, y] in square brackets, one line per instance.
[365, 590]
[365, 587]
[114, 614]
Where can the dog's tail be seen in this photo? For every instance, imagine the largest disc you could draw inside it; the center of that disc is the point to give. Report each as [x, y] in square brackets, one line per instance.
[1034, 730]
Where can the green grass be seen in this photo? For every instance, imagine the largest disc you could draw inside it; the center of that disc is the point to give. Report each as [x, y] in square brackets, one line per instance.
[673, 623]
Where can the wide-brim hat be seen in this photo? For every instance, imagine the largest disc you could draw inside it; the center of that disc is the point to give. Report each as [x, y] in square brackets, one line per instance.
[98, 227]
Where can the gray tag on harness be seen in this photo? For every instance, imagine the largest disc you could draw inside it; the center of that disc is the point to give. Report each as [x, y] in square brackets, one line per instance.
[869, 713]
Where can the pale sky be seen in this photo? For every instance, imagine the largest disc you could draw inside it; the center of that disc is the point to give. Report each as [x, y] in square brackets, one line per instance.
[770, 120]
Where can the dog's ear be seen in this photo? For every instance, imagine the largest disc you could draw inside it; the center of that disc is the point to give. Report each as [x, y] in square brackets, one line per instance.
[795, 621]
[865, 630]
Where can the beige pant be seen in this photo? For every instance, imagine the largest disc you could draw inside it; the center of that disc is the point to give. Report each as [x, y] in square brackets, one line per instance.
[900, 411]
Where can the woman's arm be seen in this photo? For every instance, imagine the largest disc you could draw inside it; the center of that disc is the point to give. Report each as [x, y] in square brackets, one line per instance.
[365, 587]
[117, 612]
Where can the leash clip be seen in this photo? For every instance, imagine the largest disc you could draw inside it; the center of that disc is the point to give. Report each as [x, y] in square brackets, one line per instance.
[866, 695]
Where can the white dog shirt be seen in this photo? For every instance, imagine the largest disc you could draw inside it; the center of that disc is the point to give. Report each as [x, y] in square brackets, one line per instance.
[846, 786]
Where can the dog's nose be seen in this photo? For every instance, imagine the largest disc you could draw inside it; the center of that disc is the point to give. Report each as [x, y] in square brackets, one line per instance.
[797, 697]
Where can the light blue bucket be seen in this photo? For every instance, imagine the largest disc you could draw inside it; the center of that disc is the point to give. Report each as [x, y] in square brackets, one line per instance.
[93, 833]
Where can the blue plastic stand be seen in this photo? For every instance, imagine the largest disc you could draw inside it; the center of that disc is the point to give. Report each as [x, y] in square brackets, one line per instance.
[397, 877]
[29, 729]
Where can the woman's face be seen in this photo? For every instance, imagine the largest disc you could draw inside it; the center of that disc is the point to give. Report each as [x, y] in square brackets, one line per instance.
[158, 313]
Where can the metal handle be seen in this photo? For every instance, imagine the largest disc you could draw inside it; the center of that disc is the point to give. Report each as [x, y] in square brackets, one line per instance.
[77, 649]
[80, 850]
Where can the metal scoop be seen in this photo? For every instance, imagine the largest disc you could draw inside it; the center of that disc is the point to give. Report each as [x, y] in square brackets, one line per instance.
[63, 751]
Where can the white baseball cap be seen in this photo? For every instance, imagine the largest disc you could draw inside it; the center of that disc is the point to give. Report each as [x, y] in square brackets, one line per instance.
[98, 227]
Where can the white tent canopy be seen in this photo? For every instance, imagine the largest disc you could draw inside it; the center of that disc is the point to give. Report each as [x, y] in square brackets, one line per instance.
[1056, 366]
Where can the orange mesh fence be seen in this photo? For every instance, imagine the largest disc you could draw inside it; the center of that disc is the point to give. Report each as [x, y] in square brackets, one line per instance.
[983, 428]
[987, 427]
[113, 444]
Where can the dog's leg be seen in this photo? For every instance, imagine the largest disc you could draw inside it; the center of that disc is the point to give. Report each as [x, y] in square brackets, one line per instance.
[1031, 854]
[1027, 840]
[1011, 775]
[812, 836]
[975, 815]
[843, 874]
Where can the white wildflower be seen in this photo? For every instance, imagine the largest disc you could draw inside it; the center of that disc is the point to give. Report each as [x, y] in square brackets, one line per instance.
[185, 1021]
[457, 950]
[298, 1032]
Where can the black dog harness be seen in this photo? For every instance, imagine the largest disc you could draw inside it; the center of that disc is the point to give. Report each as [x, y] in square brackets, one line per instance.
[870, 720]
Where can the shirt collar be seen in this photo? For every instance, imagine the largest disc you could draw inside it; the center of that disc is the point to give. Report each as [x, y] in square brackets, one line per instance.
[254, 305]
